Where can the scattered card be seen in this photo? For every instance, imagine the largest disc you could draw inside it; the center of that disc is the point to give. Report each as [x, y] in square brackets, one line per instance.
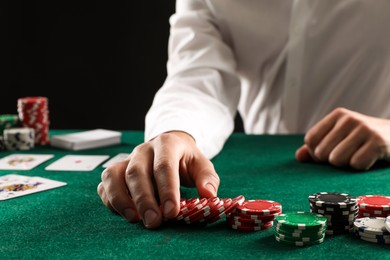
[117, 158]
[14, 185]
[23, 161]
[77, 163]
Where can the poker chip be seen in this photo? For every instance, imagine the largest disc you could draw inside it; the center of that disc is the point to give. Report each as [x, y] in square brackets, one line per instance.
[301, 220]
[259, 207]
[33, 113]
[300, 234]
[8, 121]
[340, 210]
[374, 202]
[366, 235]
[206, 211]
[371, 225]
[332, 200]
[387, 223]
[300, 228]
[373, 206]
[254, 214]
[237, 201]
[251, 228]
[19, 138]
[299, 243]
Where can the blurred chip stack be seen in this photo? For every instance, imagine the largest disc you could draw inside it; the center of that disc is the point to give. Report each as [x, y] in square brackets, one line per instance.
[7, 121]
[34, 113]
[19, 138]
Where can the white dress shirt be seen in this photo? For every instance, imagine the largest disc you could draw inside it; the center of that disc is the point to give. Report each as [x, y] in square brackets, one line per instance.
[282, 64]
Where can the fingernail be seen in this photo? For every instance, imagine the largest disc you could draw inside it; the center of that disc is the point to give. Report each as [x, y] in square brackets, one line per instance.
[129, 214]
[211, 188]
[168, 206]
[149, 217]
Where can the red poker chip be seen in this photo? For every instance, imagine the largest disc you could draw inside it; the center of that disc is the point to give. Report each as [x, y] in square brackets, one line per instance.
[202, 202]
[202, 213]
[189, 205]
[246, 224]
[33, 113]
[228, 209]
[217, 209]
[242, 228]
[374, 202]
[248, 220]
[257, 217]
[259, 207]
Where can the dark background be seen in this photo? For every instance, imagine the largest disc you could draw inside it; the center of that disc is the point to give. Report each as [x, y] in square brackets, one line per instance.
[99, 64]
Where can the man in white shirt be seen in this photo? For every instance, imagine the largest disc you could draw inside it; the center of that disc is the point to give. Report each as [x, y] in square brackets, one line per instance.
[304, 66]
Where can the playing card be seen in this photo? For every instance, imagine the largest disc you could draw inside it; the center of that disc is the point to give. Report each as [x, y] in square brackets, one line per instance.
[14, 185]
[77, 163]
[23, 161]
[117, 158]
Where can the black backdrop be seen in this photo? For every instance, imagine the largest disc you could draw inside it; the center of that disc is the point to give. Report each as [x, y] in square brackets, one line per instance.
[99, 64]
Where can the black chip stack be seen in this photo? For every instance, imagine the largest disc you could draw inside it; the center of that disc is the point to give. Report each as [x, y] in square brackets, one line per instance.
[340, 210]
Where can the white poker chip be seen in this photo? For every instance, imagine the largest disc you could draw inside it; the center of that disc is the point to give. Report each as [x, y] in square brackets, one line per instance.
[387, 223]
[371, 225]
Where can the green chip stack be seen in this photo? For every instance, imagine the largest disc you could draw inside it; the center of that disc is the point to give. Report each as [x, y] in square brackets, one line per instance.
[300, 228]
[7, 121]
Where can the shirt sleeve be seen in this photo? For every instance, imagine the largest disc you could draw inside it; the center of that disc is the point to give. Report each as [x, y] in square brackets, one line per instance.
[201, 92]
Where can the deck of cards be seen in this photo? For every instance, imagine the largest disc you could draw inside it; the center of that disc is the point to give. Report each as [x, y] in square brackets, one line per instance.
[86, 139]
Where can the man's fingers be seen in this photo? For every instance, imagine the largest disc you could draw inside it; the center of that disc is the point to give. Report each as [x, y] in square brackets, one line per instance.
[205, 177]
[334, 137]
[314, 136]
[341, 155]
[139, 174]
[365, 157]
[302, 154]
[103, 197]
[116, 193]
[166, 174]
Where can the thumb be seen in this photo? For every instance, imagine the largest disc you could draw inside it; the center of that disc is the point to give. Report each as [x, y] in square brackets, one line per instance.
[205, 178]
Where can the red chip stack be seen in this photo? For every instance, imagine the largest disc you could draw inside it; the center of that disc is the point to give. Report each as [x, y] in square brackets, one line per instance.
[34, 113]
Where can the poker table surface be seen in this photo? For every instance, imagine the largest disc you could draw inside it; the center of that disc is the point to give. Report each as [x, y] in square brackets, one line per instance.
[71, 222]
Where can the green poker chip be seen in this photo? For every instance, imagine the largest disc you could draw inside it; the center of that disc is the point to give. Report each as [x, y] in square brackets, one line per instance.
[299, 243]
[299, 239]
[8, 121]
[298, 234]
[301, 220]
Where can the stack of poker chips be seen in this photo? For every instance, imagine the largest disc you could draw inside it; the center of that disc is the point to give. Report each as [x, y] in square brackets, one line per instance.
[373, 229]
[254, 215]
[340, 209]
[300, 228]
[7, 121]
[34, 113]
[206, 211]
[373, 206]
[19, 138]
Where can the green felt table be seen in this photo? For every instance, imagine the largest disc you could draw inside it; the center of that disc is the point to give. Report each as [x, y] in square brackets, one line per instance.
[70, 222]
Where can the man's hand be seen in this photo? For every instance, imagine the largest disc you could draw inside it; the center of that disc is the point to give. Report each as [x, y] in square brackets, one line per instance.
[345, 138]
[151, 176]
